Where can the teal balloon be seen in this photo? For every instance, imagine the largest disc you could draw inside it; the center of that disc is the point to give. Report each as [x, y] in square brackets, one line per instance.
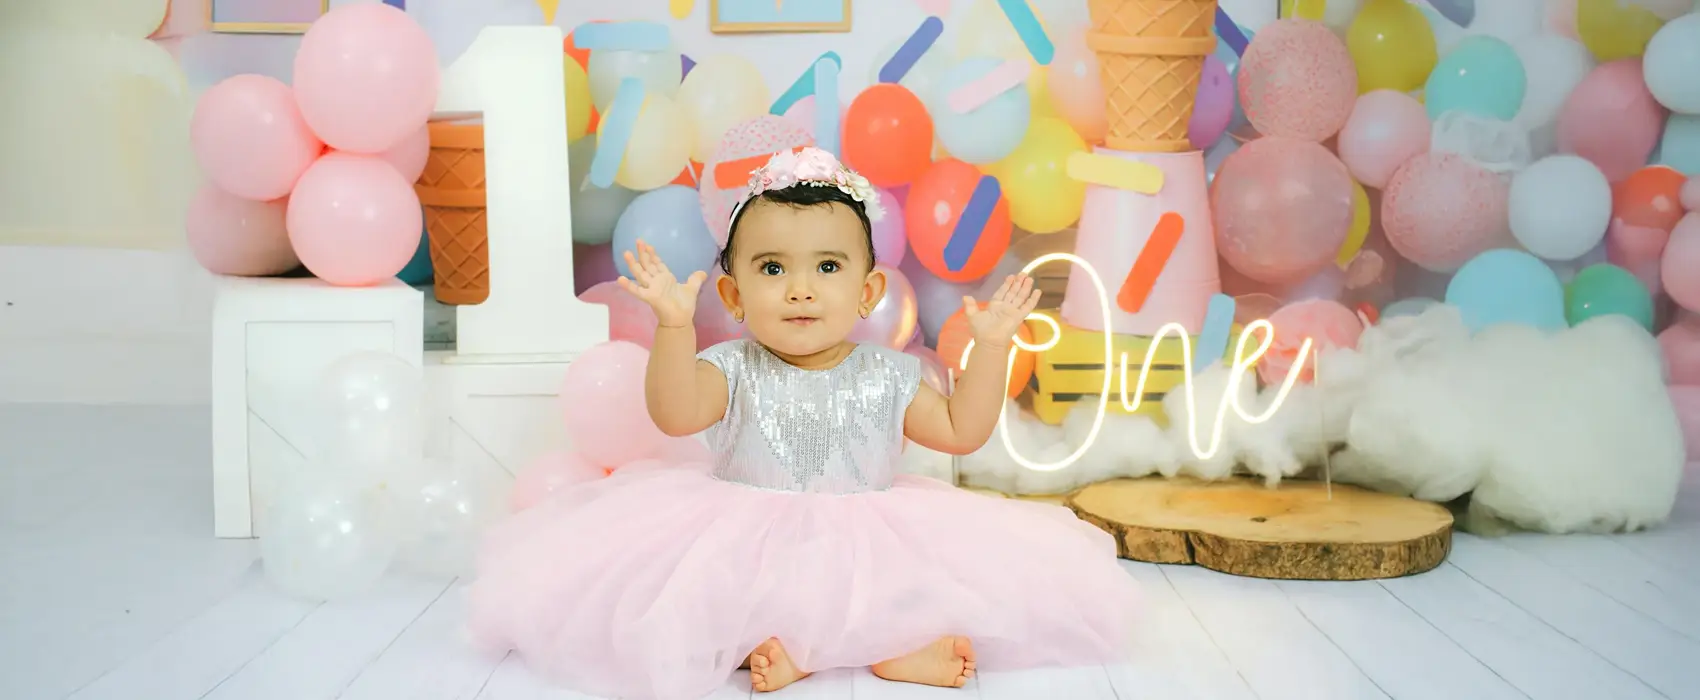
[988, 132]
[1679, 148]
[1481, 76]
[1601, 290]
[418, 270]
[1507, 286]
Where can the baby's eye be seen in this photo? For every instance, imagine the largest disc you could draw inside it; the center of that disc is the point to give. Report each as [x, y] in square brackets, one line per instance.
[828, 267]
[772, 268]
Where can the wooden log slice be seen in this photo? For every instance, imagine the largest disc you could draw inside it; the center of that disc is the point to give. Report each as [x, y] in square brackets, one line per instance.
[1293, 531]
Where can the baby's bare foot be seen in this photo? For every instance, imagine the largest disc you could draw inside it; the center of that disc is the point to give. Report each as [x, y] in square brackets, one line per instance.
[948, 662]
[771, 668]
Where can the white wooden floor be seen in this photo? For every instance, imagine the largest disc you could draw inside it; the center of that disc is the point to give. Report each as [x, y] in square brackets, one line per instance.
[111, 586]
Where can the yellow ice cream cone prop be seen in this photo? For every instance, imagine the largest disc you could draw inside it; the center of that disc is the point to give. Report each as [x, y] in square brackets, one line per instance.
[452, 190]
[1151, 55]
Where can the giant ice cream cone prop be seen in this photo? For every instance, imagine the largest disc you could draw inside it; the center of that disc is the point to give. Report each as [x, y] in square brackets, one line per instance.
[452, 190]
[1151, 54]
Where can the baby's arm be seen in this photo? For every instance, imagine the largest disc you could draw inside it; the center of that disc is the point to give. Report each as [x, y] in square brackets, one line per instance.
[685, 395]
[961, 424]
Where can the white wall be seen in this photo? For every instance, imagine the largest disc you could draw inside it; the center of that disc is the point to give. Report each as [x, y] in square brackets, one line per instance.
[93, 325]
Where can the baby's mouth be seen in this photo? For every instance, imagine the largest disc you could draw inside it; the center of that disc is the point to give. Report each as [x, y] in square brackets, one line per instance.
[802, 320]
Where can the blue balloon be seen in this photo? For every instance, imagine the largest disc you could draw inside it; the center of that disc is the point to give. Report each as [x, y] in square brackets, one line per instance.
[988, 132]
[670, 219]
[1481, 76]
[418, 270]
[1508, 286]
[1680, 147]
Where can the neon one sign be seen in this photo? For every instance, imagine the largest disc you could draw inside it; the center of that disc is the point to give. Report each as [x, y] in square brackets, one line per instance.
[1243, 361]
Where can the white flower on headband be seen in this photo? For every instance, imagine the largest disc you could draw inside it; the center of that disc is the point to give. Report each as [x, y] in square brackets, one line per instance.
[814, 167]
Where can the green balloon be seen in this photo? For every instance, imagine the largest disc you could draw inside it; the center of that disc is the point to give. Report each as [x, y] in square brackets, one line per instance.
[1599, 290]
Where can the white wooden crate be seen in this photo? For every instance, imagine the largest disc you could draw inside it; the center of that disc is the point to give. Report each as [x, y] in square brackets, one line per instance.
[271, 339]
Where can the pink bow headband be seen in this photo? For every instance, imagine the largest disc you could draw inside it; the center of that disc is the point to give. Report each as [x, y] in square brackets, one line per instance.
[816, 168]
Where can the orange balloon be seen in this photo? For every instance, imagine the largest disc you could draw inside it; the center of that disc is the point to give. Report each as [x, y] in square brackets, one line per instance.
[690, 176]
[1649, 197]
[953, 341]
[941, 215]
[578, 54]
[888, 135]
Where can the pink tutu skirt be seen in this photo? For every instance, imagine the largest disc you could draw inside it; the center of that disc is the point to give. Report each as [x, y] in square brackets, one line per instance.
[657, 582]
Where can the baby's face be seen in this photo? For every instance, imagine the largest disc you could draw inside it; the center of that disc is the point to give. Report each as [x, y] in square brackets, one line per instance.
[801, 275]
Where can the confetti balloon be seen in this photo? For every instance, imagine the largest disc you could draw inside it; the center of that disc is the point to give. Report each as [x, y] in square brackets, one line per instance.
[1297, 80]
[1440, 210]
[1283, 208]
[720, 188]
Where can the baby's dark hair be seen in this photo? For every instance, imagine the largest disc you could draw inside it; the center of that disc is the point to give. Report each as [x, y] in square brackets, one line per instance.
[800, 196]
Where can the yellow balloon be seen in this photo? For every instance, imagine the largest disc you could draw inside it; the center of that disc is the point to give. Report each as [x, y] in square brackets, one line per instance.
[1360, 226]
[578, 99]
[1034, 177]
[1304, 9]
[660, 146]
[1392, 45]
[722, 91]
[1040, 92]
[1611, 32]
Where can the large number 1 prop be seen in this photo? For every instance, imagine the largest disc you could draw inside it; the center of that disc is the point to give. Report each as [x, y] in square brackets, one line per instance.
[513, 77]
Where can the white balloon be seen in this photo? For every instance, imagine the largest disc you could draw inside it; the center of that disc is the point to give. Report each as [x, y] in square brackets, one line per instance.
[1508, 20]
[1560, 207]
[373, 406]
[323, 539]
[595, 209]
[1671, 65]
[441, 514]
[659, 71]
[1554, 66]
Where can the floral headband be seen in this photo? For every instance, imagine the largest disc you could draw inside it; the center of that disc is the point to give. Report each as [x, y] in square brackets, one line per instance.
[814, 167]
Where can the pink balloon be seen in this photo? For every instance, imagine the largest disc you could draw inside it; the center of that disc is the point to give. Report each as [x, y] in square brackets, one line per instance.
[1686, 401]
[353, 220]
[230, 235]
[1076, 84]
[249, 137]
[1690, 194]
[1680, 267]
[932, 368]
[893, 321]
[592, 265]
[1439, 210]
[603, 402]
[629, 319]
[1386, 129]
[1213, 108]
[409, 156]
[714, 323]
[1297, 80]
[1283, 208]
[1611, 119]
[366, 77]
[548, 475]
[1638, 249]
[1681, 346]
[1329, 325]
[758, 136]
[891, 244]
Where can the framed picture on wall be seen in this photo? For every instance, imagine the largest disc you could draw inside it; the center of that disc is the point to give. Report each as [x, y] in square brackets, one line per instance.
[735, 16]
[265, 16]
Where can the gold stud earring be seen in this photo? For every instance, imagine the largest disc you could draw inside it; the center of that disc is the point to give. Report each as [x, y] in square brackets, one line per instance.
[865, 312]
[738, 317]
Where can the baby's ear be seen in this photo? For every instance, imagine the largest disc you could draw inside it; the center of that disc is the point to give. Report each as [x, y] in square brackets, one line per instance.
[727, 288]
[873, 288]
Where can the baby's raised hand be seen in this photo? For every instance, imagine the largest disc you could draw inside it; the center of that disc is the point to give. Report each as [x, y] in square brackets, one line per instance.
[997, 324]
[674, 302]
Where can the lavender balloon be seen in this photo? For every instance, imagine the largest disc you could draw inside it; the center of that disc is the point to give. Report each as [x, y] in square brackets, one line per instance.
[936, 299]
[890, 243]
[893, 321]
[1213, 109]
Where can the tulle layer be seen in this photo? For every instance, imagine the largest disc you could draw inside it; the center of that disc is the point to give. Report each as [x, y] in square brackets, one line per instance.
[658, 582]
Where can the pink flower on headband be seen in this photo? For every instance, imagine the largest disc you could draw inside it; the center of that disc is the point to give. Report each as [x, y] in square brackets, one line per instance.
[814, 167]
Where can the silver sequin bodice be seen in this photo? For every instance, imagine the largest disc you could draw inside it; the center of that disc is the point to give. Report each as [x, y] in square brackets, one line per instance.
[835, 430]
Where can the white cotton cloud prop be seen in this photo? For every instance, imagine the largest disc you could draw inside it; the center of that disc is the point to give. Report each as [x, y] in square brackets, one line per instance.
[1566, 432]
